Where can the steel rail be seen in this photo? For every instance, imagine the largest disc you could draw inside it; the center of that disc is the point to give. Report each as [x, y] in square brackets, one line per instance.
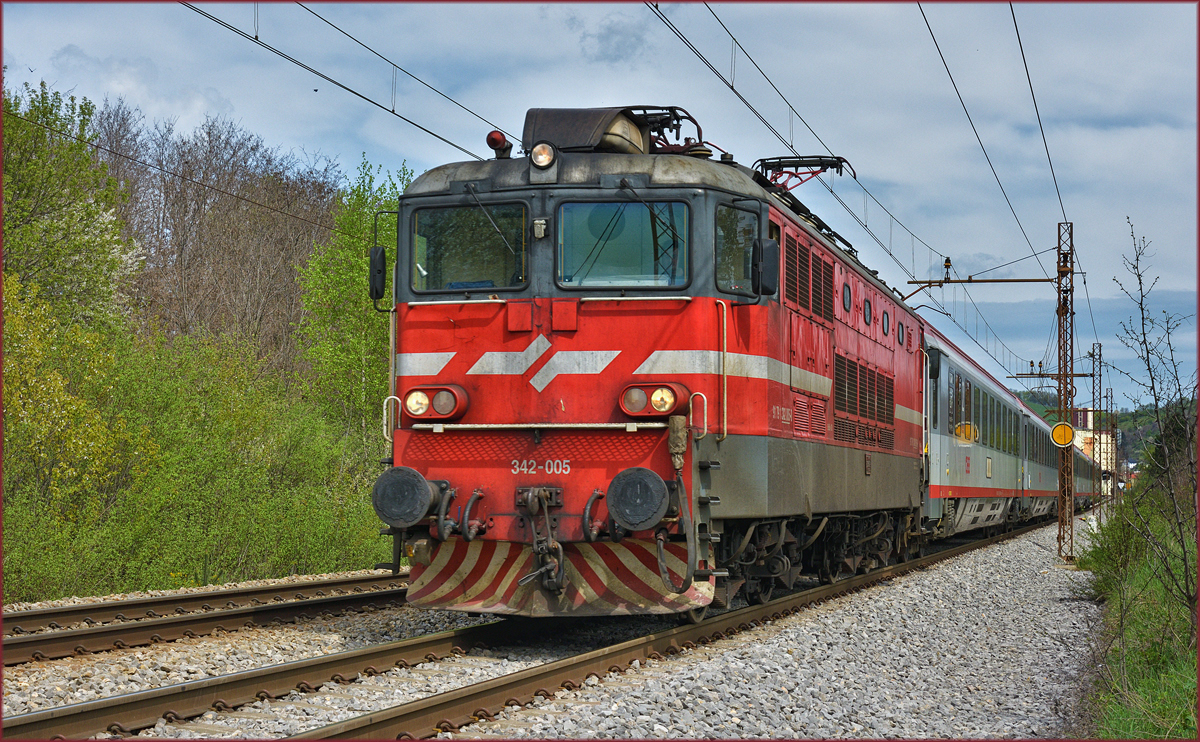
[424, 718]
[133, 711]
[456, 708]
[23, 648]
[21, 622]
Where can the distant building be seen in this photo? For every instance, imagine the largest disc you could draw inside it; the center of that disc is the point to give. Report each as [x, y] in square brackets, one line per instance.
[1098, 444]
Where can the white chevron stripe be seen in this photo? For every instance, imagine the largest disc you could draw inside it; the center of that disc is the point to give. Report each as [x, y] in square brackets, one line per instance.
[511, 363]
[572, 362]
[421, 364]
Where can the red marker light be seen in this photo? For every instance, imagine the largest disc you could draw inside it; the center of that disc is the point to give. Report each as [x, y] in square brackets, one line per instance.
[499, 144]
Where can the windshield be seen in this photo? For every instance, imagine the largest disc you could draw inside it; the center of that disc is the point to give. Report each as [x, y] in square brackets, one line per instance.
[460, 248]
[736, 230]
[622, 244]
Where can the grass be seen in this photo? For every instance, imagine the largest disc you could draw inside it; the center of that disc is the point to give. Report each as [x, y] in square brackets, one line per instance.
[1146, 680]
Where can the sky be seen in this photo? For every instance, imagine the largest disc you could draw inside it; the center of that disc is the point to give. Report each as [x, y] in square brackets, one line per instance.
[1115, 86]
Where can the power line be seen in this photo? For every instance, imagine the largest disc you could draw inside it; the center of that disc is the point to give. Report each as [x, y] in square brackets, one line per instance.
[683, 38]
[978, 138]
[729, 83]
[398, 67]
[160, 169]
[329, 79]
[1012, 262]
[1053, 177]
[792, 110]
[1037, 112]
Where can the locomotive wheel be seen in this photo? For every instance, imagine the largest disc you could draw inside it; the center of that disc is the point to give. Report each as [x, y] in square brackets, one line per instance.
[762, 593]
[696, 615]
[829, 576]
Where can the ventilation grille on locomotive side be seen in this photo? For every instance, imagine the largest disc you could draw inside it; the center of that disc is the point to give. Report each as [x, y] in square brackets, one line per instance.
[864, 393]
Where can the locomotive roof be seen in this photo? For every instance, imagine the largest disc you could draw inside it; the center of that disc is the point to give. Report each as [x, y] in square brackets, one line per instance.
[587, 169]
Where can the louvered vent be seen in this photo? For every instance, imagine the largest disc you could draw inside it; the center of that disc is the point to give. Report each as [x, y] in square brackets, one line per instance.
[852, 384]
[839, 383]
[872, 381]
[803, 274]
[826, 290]
[818, 296]
[888, 415]
[844, 430]
[800, 421]
[865, 403]
[791, 270]
[816, 417]
[887, 439]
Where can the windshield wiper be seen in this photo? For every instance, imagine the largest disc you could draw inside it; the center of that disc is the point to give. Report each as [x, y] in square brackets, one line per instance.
[471, 190]
[658, 220]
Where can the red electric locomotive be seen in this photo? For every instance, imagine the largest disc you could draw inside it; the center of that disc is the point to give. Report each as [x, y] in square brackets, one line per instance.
[632, 378]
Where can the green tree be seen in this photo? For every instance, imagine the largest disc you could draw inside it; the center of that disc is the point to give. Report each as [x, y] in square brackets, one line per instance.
[344, 338]
[64, 445]
[61, 231]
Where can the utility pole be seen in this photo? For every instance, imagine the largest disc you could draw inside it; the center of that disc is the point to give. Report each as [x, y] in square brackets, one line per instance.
[1114, 475]
[1096, 428]
[1066, 388]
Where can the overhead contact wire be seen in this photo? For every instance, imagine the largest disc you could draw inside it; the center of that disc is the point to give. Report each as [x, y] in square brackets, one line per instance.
[330, 80]
[978, 138]
[1053, 177]
[393, 64]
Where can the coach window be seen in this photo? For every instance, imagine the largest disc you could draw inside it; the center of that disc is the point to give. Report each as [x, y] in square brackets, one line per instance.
[975, 414]
[900, 333]
[623, 244]
[885, 321]
[846, 301]
[958, 400]
[866, 311]
[992, 421]
[462, 248]
[736, 231]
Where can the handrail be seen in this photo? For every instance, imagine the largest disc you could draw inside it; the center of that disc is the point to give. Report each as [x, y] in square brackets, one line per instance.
[635, 298]
[387, 418]
[459, 301]
[724, 370]
[701, 396]
[627, 427]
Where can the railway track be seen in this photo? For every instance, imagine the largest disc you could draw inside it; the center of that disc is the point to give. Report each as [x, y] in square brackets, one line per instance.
[440, 712]
[169, 617]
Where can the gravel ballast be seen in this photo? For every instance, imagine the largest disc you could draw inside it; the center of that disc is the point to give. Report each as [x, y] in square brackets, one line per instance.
[990, 644]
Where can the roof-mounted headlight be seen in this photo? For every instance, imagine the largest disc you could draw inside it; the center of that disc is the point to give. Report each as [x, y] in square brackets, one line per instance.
[542, 155]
